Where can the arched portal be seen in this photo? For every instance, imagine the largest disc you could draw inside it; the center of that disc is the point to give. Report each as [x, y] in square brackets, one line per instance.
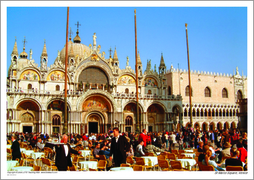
[157, 113]
[219, 126]
[233, 125]
[197, 126]
[129, 114]
[226, 125]
[28, 113]
[212, 126]
[204, 126]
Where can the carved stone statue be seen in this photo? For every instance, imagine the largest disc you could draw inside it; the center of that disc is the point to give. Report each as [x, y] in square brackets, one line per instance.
[127, 62]
[94, 39]
[155, 68]
[31, 53]
[237, 73]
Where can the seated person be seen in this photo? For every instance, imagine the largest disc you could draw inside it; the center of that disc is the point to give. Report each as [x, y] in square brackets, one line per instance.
[233, 161]
[152, 148]
[104, 151]
[96, 150]
[201, 157]
[208, 161]
[39, 144]
[200, 148]
[139, 149]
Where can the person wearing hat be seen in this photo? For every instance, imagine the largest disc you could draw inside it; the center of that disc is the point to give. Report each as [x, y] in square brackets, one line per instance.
[225, 153]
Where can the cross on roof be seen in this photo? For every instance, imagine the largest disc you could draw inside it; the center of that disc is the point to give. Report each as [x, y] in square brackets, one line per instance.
[24, 41]
[70, 32]
[110, 50]
[44, 41]
[78, 25]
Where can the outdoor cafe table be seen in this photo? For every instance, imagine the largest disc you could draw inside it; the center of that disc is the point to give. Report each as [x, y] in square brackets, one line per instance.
[8, 146]
[11, 164]
[188, 150]
[29, 152]
[88, 164]
[22, 149]
[150, 160]
[121, 169]
[187, 163]
[189, 155]
[22, 168]
[85, 153]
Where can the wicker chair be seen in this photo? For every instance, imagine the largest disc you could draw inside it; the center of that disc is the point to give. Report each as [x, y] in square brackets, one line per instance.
[164, 165]
[125, 165]
[149, 154]
[205, 167]
[234, 168]
[102, 165]
[37, 168]
[177, 165]
[72, 168]
[138, 168]
[161, 157]
[174, 151]
[141, 161]
[102, 157]
[130, 160]
[171, 156]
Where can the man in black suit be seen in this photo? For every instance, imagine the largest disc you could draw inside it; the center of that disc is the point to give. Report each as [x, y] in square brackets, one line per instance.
[63, 154]
[15, 148]
[119, 147]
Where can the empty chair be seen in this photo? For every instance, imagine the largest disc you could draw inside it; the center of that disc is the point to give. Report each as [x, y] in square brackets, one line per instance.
[176, 165]
[171, 156]
[130, 160]
[37, 168]
[164, 165]
[234, 168]
[138, 168]
[174, 151]
[161, 157]
[141, 161]
[72, 168]
[102, 165]
[205, 167]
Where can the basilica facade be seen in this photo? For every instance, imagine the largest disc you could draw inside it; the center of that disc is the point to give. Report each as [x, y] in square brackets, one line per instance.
[100, 95]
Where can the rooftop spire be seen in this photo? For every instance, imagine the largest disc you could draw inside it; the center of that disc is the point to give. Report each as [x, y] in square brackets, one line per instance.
[15, 48]
[162, 63]
[24, 54]
[24, 41]
[110, 50]
[115, 58]
[139, 60]
[44, 51]
[70, 34]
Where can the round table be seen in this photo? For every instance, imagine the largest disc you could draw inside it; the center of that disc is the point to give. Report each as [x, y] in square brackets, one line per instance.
[11, 164]
[150, 160]
[121, 169]
[36, 155]
[22, 168]
[187, 163]
[88, 164]
[22, 149]
[189, 155]
[29, 152]
[188, 150]
[85, 153]
[8, 146]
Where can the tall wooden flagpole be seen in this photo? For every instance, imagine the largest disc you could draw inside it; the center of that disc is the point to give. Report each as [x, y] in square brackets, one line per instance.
[190, 89]
[136, 57]
[65, 128]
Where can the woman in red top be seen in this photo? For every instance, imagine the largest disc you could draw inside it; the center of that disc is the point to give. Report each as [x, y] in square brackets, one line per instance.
[243, 152]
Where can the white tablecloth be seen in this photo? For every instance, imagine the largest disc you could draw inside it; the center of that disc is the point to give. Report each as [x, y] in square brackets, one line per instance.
[88, 164]
[85, 152]
[37, 155]
[189, 155]
[22, 168]
[121, 169]
[11, 164]
[8, 146]
[187, 163]
[22, 149]
[150, 160]
[29, 152]
[188, 150]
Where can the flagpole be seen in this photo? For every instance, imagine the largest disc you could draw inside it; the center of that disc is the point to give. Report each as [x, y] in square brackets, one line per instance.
[136, 55]
[65, 128]
[190, 89]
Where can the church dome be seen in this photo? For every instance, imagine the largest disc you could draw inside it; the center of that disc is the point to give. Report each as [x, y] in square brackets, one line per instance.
[78, 49]
[23, 55]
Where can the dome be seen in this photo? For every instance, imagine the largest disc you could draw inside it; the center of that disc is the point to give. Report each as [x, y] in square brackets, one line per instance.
[23, 54]
[78, 49]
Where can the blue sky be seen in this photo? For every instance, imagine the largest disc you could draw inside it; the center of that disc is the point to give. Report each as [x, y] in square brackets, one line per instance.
[217, 35]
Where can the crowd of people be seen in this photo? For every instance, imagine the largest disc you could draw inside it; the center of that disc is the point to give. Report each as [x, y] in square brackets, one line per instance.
[217, 147]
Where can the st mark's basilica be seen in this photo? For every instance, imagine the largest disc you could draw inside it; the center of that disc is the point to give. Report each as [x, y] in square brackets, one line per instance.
[100, 95]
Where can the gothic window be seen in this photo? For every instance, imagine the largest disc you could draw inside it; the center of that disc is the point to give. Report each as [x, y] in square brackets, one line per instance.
[239, 94]
[56, 120]
[187, 91]
[224, 93]
[127, 91]
[57, 88]
[185, 112]
[149, 92]
[169, 90]
[207, 92]
[128, 120]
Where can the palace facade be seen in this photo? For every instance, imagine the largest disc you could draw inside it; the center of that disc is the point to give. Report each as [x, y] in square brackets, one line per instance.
[100, 94]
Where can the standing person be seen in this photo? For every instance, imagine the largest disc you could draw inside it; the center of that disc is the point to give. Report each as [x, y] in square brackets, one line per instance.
[119, 148]
[63, 154]
[234, 137]
[143, 137]
[15, 148]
